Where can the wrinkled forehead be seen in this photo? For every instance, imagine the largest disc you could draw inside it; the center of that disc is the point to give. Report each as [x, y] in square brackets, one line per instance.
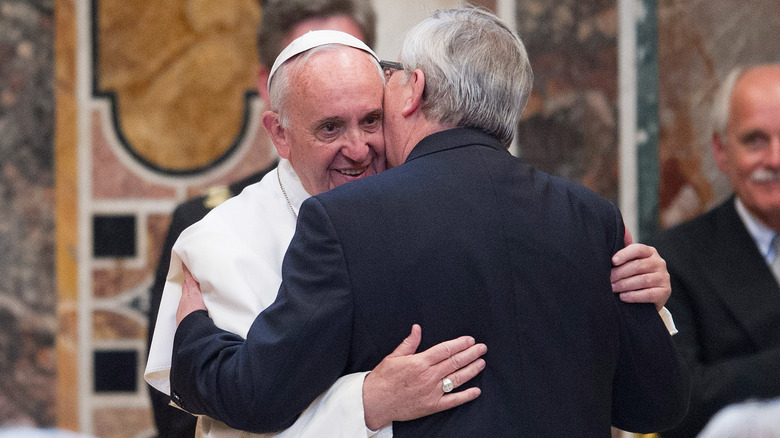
[335, 60]
[332, 68]
[335, 70]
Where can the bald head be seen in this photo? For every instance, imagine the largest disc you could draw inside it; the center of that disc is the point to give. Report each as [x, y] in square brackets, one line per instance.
[326, 115]
[747, 148]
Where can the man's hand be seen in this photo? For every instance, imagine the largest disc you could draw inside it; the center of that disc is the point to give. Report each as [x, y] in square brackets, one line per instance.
[639, 275]
[191, 297]
[406, 386]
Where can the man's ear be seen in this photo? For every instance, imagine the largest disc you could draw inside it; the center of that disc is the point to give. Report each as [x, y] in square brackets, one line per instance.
[719, 152]
[416, 84]
[262, 85]
[278, 134]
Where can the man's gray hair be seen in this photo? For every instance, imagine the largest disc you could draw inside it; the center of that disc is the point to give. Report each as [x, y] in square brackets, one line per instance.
[279, 17]
[477, 73]
[721, 104]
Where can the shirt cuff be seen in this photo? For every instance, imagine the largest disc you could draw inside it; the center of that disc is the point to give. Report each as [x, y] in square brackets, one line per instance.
[386, 432]
[666, 316]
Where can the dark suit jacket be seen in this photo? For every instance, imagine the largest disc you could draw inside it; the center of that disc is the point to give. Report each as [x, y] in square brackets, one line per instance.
[726, 305]
[466, 240]
[170, 421]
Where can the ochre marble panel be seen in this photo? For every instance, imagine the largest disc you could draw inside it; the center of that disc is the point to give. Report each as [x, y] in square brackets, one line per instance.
[123, 422]
[179, 70]
[109, 325]
[117, 280]
[67, 404]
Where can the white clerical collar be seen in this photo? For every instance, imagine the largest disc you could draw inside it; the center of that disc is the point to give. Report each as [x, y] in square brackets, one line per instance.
[761, 233]
[293, 189]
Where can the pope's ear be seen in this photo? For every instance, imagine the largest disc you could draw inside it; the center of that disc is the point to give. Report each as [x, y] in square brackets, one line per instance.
[416, 83]
[278, 134]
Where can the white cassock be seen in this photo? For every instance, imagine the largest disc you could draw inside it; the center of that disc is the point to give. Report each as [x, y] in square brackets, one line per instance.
[236, 253]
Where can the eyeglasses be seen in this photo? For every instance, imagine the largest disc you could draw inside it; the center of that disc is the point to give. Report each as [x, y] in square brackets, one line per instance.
[389, 67]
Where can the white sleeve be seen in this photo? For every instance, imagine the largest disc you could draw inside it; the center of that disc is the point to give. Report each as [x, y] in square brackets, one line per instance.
[158, 364]
[221, 262]
[238, 282]
[338, 413]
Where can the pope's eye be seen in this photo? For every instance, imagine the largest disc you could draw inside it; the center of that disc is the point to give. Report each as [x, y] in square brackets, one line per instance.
[329, 131]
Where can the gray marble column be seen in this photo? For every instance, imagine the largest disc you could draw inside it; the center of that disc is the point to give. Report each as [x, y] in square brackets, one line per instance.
[28, 320]
[647, 117]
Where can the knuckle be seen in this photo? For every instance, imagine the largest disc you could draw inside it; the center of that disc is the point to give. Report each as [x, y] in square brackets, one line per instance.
[455, 362]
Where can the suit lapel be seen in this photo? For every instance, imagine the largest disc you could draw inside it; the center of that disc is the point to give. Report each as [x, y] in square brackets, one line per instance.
[747, 286]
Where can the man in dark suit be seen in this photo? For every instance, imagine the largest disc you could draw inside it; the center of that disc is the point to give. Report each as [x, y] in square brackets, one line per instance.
[282, 22]
[726, 300]
[463, 239]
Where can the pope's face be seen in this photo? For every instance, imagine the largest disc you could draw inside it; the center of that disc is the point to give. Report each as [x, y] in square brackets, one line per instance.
[750, 154]
[335, 120]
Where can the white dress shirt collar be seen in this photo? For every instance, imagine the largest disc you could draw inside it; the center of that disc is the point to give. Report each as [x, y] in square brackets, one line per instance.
[761, 233]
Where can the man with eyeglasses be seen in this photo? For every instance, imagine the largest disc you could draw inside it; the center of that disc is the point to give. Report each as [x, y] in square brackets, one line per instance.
[417, 262]
[326, 123]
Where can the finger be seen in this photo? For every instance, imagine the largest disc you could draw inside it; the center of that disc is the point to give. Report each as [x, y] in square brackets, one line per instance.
[642, 281]
[653, 265]
[657, 296]
[631, 283]
[461, 360]
[191, 297]
[629, 270]
[189, 280]
[641, 296]
[632, 252]
[453, 399]
[466, 373]
[444, 350]
[410, 344]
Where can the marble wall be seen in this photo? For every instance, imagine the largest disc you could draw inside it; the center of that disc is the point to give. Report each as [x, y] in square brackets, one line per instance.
[570, 129]
[570, 125]
[164, 106]
[700, 41]
[28, 299]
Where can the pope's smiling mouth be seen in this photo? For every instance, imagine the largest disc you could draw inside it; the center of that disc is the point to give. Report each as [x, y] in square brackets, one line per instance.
[352, 172]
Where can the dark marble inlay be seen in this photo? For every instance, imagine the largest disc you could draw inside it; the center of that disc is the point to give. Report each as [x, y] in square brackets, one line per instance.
[114, 236]
[116, 371]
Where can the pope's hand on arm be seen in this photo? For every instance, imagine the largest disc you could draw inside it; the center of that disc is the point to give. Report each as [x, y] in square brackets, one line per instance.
[191, 297]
